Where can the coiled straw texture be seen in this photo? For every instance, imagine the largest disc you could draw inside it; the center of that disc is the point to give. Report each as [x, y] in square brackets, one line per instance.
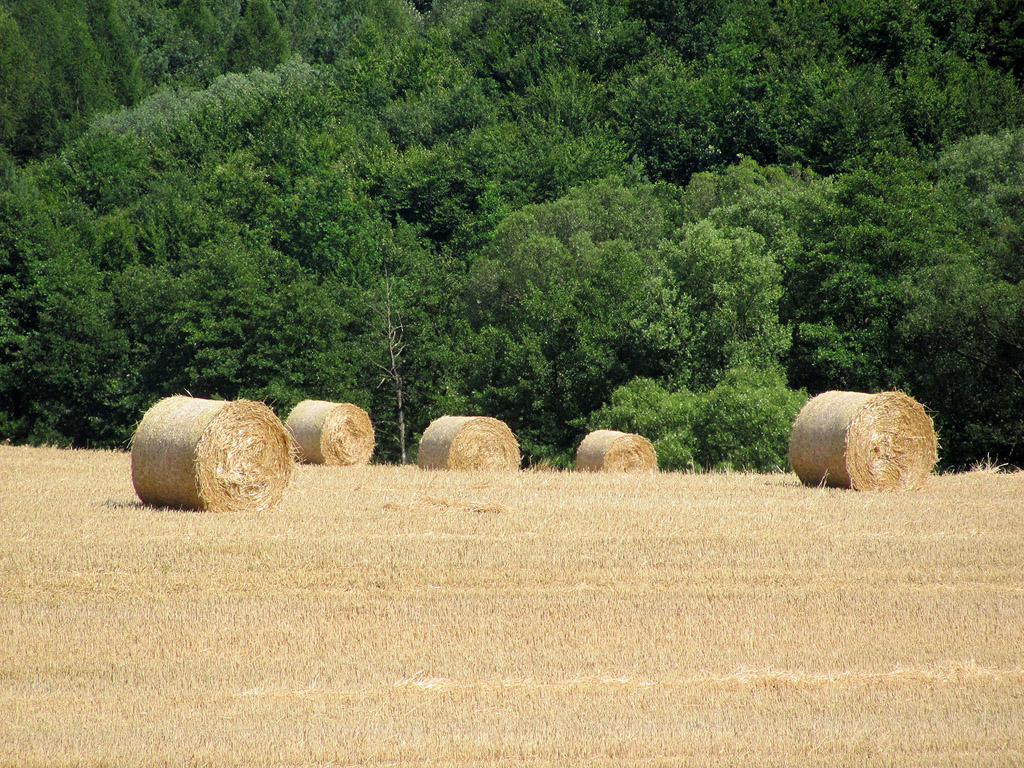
[469, 442]
[883, 441]
[220, 456]
[607, 450]
[340, 434]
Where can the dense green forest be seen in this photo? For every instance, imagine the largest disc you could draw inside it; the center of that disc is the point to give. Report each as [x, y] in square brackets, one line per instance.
[680, 218]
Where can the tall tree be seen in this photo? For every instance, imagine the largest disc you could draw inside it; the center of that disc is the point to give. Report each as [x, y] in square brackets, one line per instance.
[259, 41]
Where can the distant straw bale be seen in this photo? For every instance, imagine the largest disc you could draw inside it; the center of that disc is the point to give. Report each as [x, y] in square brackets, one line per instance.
[469, 442]
[607, 450]
[221, 456]
[883, 441]
[331, 433]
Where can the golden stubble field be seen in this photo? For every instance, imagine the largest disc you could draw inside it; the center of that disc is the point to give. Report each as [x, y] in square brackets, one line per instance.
[386, 615]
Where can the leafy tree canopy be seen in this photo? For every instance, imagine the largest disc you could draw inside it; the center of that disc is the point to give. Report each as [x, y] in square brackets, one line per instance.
[682, 216]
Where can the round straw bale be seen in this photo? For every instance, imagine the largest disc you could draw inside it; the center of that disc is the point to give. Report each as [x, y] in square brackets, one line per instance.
[877, 442]
[221, 456]
[331, 433]
[607, 450]
[468, 442]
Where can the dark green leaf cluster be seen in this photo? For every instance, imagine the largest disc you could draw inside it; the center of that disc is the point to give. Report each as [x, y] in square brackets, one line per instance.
[743, 423]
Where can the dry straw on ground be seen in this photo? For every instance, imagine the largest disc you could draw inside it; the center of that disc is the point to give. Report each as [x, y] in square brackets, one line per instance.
[863, 441]
[331, 433]
[469, 442]
[607, 450]
[221, 456]
[386, 615]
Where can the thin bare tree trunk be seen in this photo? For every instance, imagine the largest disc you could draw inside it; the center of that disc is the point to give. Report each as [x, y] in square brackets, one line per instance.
[393, 332]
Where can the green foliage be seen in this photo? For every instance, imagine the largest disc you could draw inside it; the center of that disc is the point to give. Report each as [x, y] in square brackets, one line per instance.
[984, 177]
[846, 246]
[567, 305]
[182, 44]
[666, 418]
[730, 285]
[259, 41]
[514, 42]
[571, 207]
[577, 296]
[666, 111]
[60, 355]
[966, 321]
[240, 321]
[857, 240]
[743, 423]
[899, 274]
[65, 61]
[999, 24]
[20, 80]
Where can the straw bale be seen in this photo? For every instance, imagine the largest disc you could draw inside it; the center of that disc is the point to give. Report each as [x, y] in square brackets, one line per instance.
[608, 450]
[331, 433]
[883, 441]
[469, 442]
[221, 456]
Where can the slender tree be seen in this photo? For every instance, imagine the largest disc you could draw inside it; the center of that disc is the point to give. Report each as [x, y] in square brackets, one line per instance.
[392, 332]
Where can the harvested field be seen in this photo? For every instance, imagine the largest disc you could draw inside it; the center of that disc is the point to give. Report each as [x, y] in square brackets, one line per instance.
[388, 615]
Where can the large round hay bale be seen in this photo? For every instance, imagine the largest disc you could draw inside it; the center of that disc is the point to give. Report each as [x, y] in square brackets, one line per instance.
[608, 450]
[883, 441]
[468, 442]
[221, 456]
[331, 433]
